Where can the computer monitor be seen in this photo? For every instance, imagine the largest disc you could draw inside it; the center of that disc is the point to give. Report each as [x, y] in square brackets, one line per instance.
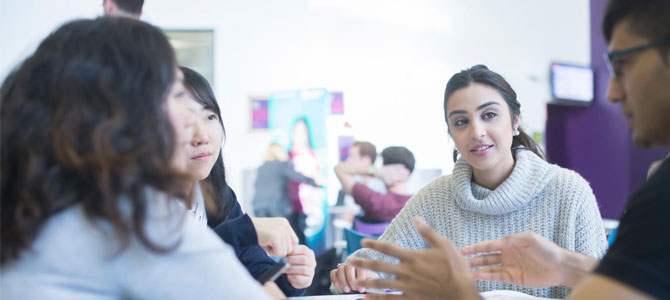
[571, 84]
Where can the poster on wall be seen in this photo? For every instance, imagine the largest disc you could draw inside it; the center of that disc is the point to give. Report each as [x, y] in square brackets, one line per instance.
[297, 120]
[260, 114]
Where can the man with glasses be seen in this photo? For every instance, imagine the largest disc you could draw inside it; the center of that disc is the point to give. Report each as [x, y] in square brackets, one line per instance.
[637, 265]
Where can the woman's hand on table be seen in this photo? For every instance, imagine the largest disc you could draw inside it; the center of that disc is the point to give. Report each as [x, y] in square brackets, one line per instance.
[346, 275]
[303, 263]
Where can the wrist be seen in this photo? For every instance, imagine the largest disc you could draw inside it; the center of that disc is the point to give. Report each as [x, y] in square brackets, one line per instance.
[576, 267]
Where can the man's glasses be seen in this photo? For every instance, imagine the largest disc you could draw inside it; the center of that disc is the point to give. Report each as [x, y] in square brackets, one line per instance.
[610, 57]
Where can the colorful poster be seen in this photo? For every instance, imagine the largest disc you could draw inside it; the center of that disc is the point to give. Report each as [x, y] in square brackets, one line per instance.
[297, 119]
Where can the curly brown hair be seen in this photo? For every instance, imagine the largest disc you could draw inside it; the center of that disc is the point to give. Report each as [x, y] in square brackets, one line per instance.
[83, 122]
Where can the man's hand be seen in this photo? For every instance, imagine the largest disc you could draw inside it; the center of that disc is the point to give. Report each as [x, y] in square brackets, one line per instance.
[392, 174]
[275, 236]
[303, 263]
[528, 259]
[437, 273]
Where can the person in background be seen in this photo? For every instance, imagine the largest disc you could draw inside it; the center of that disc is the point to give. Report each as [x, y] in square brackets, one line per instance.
[94, 125]
[271, 197]
[363, 155]
[500, 185]
[636, 266]
[306, 199]
[123, 8]
[398, 164]
[250, 237]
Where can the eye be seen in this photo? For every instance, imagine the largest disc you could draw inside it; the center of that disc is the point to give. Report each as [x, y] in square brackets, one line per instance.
[460, 122]
[618, 66]
[212, 117]
[489, 115]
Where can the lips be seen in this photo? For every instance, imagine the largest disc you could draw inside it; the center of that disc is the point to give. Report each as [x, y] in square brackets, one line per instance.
[202, 156]
[479, 148]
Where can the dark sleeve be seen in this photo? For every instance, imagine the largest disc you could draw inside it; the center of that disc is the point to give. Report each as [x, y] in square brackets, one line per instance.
[257, 261]
[237, 230]
[294, 175]
[640, 255]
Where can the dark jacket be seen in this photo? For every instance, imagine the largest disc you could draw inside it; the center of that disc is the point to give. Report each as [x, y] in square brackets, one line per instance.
[238, 231]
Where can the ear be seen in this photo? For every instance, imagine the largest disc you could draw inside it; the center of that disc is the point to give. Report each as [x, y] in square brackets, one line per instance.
[515, 123]
[368, 159]
[109, 6]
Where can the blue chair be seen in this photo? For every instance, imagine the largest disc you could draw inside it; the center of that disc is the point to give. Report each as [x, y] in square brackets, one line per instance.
[354, 238]
[610, 239]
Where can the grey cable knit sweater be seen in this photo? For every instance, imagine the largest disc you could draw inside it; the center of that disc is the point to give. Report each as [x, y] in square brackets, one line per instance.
[537, 196]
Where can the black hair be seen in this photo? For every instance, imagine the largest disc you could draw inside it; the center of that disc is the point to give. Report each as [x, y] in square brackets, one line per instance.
[482, 74]
[648, 18]
[83, 123]
[130, 6]
[398, 155]
[202, 91]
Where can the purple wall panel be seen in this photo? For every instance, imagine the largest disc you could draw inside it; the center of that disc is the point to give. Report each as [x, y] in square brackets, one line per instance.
[595, 141]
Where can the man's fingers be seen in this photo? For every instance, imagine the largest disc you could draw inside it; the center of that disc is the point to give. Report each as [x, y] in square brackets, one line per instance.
[374, 265]
[485, 260]
[388, 249]
[381, 284]
[431, 236]
[482, 247]
[495, 273]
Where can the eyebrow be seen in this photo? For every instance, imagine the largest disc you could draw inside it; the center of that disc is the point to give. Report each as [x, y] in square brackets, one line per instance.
[478, 108]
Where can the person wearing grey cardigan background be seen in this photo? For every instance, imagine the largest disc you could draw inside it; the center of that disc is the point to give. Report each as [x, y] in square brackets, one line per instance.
[271, 198]
[500, 185]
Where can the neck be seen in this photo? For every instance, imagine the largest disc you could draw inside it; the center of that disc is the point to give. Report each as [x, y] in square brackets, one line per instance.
[190, 189]
[491, 179]
[398, 188]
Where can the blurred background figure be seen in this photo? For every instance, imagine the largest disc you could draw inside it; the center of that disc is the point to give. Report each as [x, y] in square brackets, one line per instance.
[271, 198]
[305, 198]
[363, 155]
[123, 8]
[377, 207]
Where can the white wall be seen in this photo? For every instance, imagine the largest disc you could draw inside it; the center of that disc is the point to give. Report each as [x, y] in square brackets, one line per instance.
[391, 58]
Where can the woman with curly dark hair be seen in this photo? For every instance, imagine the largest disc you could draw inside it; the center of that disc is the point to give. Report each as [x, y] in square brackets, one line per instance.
[91, 124]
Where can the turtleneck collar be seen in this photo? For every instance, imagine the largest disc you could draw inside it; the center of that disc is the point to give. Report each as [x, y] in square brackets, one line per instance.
[528, 178]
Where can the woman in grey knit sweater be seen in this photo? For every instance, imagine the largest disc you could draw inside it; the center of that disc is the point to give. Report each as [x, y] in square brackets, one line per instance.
[500, 185]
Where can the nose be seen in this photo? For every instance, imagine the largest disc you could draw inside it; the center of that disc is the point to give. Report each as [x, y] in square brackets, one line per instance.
[614, 91]
[200, 136]
[477, 130]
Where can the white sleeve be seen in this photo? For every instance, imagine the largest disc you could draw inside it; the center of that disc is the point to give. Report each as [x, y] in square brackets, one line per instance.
[200, 267]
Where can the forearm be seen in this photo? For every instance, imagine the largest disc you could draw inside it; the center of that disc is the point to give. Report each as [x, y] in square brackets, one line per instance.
[576, 267]
[345, 173]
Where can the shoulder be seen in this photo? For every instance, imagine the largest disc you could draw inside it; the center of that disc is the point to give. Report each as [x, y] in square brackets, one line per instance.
[567, 178]
[438, 189]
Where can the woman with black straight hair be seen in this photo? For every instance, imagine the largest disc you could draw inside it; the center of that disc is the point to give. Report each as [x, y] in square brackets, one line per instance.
[215, 203]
